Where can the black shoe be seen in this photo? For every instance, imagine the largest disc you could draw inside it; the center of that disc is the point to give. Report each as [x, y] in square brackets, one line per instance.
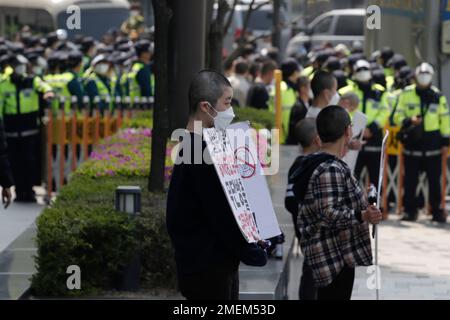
[410, 218]
[25, 197]
[439, 219]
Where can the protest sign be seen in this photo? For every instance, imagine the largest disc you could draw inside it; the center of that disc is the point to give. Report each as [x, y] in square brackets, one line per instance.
[359, 124]
[247, 157]
[223, 158]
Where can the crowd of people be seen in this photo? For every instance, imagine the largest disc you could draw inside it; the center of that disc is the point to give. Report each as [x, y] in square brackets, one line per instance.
[382, 86]
[54, 71]
[330, 209]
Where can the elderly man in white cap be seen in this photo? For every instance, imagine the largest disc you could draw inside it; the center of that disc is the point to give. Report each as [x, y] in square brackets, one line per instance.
[373, 103]
[423, 113]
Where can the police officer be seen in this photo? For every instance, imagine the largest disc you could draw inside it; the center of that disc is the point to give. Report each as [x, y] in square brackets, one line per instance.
[373, 103]
[6, 176]
[122, 64]
[403, 79]
[89, 51]
[140, 76]
[99, 84]
[291, 73]
[395, 63]
[386, 54]
[317, 62]
[424, 115]
[19, 94]
[5, 68]
[70, 81]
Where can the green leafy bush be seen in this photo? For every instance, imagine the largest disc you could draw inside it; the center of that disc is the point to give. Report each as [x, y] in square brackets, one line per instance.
[140, 119]
[259, 119]
[82, 227]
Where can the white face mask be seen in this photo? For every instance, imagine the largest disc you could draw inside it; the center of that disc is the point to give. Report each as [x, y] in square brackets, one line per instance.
[102, 68]
[424, 79]
[21, 69]
[335, 99]
[38, 70]
[42, 63]
[223, 118]
[363, 76]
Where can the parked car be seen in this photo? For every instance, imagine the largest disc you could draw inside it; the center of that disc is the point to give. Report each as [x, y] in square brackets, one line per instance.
[337, 26]
[260, 23]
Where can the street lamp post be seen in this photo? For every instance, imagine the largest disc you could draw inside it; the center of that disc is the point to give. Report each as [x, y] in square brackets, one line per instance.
[128, 199]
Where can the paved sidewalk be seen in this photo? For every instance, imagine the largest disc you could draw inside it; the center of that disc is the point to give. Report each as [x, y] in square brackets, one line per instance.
[17, 246]
[414, 259]
[17, 218]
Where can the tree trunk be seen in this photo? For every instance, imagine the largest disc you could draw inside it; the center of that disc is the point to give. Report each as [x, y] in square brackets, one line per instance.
[160, 134]
[216, 36]
[276, 33]
[187, 55]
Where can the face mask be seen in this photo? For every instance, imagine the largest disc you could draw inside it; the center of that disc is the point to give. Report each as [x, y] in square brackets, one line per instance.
[102, 69]
[42, 63]
[335, 99]
[37, 70]
[223, 118]
[134, 13]
[363, 76]
[424, 79]
[21, 69]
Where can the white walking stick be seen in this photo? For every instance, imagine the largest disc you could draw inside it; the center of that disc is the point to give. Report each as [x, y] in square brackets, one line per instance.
[374, 230]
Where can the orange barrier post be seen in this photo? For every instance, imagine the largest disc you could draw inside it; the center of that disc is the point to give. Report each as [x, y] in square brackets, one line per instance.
[97, 126]
[106, 131]
[49, 153]
[62, 142]
[278, 119]
[119, 116]
[73, 138]
[85, 133]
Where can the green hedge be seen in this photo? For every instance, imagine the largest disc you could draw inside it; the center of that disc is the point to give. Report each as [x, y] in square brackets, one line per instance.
[259, 119]
[82, 227]
[140, 119]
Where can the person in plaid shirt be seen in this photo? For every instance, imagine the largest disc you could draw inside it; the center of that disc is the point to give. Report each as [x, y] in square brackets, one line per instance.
[333, 212]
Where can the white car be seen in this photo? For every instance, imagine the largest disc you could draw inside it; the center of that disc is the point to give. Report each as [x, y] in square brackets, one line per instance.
[337, 26]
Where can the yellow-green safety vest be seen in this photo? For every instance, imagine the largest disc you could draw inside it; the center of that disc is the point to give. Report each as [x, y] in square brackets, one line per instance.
[28, 98]
[376, 110]
[59, 84]
[103, 91]
[288, 100]
[437, 118]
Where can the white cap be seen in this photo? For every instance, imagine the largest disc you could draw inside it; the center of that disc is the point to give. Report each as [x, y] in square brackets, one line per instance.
[361, 64]
[341, 48]
[61, 34]
[99, 58]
